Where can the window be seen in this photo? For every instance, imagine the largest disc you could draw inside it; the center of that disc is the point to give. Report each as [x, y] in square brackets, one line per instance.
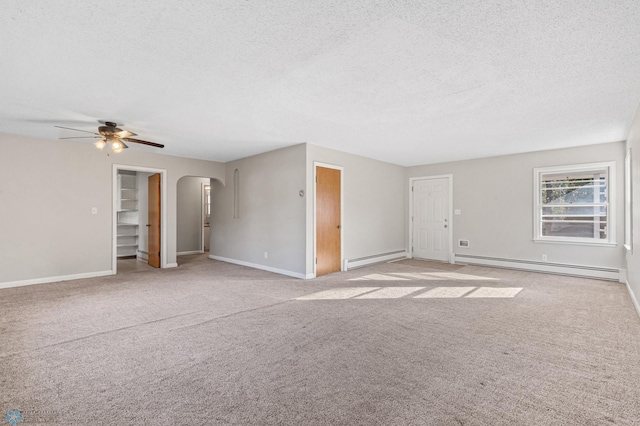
[574, 204]
[207, 202]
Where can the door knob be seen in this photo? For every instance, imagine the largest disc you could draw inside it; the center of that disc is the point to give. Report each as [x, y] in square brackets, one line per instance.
[445, 226]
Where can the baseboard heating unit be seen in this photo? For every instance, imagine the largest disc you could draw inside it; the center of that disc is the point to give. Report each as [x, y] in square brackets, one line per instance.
[376, 258]
[548, 267]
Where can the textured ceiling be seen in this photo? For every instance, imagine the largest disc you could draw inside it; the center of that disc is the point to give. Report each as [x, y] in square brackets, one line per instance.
[409, 82]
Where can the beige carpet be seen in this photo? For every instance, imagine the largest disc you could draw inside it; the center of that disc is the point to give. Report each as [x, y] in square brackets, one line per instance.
[393, 344]
[429, 264]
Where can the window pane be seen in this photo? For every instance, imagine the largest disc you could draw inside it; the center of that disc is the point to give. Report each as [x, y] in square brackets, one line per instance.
[573, 191]
[573, 211]
[580, 230]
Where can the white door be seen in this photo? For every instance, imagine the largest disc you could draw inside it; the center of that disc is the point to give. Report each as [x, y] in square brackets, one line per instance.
[431, 227]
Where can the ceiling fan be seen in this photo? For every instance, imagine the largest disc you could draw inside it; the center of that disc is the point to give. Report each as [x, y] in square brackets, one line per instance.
[110, 134]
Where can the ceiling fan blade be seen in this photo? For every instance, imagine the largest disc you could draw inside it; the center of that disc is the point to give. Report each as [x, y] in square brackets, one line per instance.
[157, 145]
[77, 130]
[124, 134]
[83, 137]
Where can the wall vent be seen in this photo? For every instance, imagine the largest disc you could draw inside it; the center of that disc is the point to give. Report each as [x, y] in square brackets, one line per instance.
[463, 243]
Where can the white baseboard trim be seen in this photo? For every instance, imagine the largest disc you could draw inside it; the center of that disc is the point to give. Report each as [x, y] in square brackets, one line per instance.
[142, 255]
[546, 267]
[262, 267]
[47, 280]
[170, 265]
[376, 258]
[183, 253]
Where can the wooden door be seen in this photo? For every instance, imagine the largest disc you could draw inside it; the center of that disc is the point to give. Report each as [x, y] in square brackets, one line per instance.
[328, 226]
[154, 220]
[431, 227]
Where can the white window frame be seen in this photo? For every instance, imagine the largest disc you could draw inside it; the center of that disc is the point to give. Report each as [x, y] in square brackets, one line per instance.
[610, 167]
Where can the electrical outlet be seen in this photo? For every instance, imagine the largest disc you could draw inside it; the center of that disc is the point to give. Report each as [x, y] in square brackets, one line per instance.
[266, 255]
[544, 257]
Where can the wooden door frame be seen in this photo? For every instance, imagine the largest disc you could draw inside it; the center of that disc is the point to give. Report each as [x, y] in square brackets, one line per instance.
[114, 214]
[317, 164]
[450, 254]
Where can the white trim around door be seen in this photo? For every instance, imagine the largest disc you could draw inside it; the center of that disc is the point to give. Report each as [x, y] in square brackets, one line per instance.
[163, 210]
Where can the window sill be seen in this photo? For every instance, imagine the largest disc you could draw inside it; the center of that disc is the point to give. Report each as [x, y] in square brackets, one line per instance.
[576, 243]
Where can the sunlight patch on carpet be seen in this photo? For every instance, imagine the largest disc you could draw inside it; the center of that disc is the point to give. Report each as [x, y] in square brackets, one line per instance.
[406, 292]
[445, 293]
[390, 293]
[379, 277]
[406, 276]
[338, 293]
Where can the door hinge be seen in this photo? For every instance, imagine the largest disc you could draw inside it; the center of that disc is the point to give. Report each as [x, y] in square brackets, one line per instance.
[412, 189]
[316, 260]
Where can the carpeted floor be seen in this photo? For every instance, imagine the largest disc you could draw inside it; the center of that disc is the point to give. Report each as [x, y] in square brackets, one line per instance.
[404, 343]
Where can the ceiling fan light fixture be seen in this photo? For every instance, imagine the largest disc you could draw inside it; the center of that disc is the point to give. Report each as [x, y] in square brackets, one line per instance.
[100, 144]
[116, 146]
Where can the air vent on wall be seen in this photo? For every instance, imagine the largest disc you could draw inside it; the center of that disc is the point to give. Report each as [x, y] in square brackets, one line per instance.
[463, 243]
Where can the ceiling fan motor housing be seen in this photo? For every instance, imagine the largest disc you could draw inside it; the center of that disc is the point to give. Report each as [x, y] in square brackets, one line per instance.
[109, 129]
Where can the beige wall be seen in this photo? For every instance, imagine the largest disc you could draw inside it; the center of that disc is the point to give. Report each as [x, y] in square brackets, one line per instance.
[633, 258]
[274, 218]
[495, 196]
[47, 191]
[271, 212]
[374, 209]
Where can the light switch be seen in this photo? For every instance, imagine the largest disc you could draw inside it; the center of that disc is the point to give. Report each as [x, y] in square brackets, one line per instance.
[94, 210]
[457, 212]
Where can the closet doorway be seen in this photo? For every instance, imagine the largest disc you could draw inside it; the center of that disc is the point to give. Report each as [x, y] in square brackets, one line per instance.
[139, 212]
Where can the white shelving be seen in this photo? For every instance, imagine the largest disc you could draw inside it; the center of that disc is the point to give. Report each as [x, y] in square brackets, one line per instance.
[128, 218]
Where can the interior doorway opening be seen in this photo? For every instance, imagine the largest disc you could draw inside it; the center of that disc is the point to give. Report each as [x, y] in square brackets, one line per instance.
[138, 212]
[194, 216]
[206, 217]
